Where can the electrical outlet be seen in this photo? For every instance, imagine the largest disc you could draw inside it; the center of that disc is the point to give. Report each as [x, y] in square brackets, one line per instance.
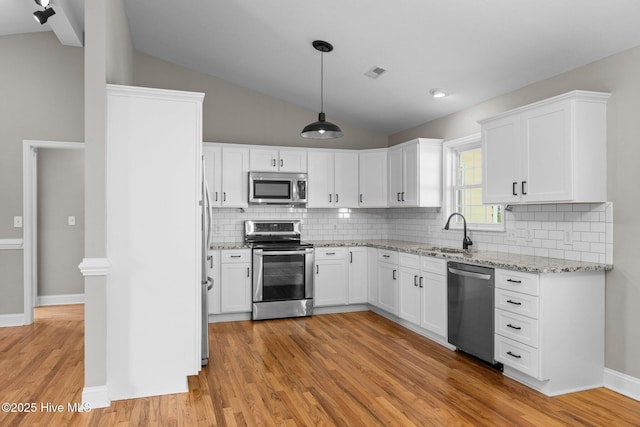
[17, 221]
[71, 220]
[568, 237]
[512, 235]
[529, 235]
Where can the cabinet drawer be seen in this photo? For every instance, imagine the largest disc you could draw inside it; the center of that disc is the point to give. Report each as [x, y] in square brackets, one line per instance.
[388, 256]
[516, 302]
[518, 356]
[331, 253]
[520, 328]
[430, 264]
[516, 281]
[409, 260]
[235, 256]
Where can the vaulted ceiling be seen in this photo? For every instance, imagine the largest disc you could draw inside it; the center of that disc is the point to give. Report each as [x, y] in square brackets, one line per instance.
[473, 49]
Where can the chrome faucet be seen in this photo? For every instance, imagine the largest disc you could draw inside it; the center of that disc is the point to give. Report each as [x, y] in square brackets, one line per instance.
[466, 242]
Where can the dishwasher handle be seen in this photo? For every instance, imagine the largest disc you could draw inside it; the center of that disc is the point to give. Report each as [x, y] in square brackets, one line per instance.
[470, 274]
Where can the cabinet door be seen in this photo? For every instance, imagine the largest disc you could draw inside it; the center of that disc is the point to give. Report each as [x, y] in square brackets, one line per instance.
[346, 179]
[547, 167]
[235, 292]
[213, 271]
[213, 172]
[394, 161]
[357, 276]
[434, 303]
[410, 175]
[388, 287]
[263, 160]
[330, 284]
[409, 301]
[320, 179]
[501, 179]
[373, 180]
[372, 276]
[235, 178]
[293, 161]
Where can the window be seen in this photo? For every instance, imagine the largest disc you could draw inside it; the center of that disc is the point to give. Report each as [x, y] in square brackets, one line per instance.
[463, 186]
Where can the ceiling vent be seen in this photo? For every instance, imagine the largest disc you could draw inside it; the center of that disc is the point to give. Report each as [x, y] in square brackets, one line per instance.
[375, 72]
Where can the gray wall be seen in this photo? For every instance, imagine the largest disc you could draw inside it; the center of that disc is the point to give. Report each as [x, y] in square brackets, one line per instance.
[60, 246]
[237, 115]
[41, 87]
[618, 74]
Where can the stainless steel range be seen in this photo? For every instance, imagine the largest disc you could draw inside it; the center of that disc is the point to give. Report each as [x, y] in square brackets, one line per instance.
[282, 269]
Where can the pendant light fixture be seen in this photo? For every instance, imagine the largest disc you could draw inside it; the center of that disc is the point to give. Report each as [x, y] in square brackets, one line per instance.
[321, 129]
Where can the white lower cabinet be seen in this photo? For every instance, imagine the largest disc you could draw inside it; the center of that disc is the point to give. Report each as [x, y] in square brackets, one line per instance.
[235, 281]
[388, 280]
[357, 263]
[213, 271]
[409, 286]
[423, 292]
[331, 277]
[549, 329]
[372, 276]
[433, 284]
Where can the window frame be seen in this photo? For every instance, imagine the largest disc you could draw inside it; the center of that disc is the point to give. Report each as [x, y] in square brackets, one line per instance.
[450, 149]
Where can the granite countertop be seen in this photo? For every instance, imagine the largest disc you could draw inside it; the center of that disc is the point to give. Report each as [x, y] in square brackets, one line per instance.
[507, 261]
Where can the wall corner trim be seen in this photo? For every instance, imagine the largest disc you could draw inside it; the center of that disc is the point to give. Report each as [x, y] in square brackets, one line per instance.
[11, 244]
[96, 397]
[94, 266]
[622, 383]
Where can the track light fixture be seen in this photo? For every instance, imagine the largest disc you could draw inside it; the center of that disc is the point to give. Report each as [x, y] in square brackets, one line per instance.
[321, 129]
[42, 16]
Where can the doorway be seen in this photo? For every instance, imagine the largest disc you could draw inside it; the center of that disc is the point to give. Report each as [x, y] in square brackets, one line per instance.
[30, 223]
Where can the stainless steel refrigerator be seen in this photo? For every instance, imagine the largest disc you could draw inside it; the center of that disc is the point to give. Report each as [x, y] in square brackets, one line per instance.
[206, 280]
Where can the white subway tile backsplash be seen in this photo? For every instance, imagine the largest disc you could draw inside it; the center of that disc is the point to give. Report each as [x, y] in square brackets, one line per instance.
[590, 226]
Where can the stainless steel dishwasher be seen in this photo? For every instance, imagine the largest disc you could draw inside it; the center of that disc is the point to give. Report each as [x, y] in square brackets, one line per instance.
[470, 309]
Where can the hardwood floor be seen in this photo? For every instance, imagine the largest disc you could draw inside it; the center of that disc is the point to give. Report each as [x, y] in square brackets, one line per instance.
[335, 369]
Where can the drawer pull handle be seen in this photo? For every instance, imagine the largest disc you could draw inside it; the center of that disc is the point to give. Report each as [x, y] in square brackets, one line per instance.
[331, 253]
[387, 256]
[513, 327]
[517, 356]
[514, 281]
[514, 302]
[236, 256]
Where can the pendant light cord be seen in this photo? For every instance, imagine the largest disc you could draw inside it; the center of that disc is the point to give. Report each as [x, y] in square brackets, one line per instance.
[321, 81]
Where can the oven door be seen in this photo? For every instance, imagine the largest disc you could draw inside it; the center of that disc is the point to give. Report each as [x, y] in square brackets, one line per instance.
[282, 275]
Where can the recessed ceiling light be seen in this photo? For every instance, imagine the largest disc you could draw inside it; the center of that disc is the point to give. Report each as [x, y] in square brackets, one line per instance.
[438, 93]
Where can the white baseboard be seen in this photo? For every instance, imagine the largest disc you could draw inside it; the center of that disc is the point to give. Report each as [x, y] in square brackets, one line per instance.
[60, 299]
[96, 397]
[622, 383]
[7, 320]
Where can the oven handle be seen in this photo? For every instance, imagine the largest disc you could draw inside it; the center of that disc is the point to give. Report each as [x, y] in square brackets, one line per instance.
[292, 252]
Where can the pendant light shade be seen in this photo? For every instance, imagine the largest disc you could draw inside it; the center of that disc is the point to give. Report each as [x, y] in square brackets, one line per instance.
[322, 129]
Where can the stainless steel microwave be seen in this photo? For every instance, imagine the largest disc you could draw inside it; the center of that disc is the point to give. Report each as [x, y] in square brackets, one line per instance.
[277, 188]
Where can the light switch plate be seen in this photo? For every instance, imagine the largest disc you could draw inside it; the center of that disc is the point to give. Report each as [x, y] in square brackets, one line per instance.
[71, 220]
[17, 221]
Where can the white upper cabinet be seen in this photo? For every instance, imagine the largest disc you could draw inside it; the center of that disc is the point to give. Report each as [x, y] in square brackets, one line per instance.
[213, 172]
[415, 173]
[332, 179]
[235, 178]
[373, 179]
[274, 160]
[551, 151]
